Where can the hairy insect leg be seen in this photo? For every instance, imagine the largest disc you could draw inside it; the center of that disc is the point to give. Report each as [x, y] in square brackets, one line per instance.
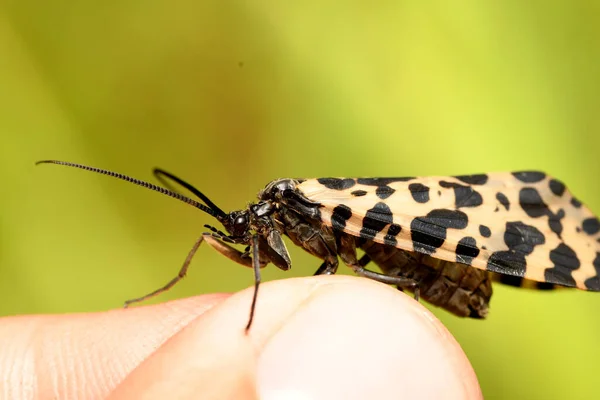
[172, 282]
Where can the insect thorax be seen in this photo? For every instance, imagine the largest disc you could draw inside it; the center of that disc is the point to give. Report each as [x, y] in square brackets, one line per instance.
[274, 190]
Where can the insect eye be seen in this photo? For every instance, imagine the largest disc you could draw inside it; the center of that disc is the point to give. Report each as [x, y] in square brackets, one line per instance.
[240, 220]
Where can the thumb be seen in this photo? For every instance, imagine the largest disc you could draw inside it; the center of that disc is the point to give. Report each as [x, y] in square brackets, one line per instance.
[313, 338]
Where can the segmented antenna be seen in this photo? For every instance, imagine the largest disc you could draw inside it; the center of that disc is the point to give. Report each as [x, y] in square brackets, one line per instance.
[160, 174]
[215, 213]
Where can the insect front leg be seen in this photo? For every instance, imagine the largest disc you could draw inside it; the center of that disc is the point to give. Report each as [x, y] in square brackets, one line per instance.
[258, 260]
[242, 258]
[216, 242]
[256, 266]
[172, 282]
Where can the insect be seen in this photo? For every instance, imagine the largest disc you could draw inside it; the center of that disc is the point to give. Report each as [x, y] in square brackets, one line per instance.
[443, 238]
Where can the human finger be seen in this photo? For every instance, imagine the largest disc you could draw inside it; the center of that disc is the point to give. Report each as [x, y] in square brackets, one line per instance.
[313, 338]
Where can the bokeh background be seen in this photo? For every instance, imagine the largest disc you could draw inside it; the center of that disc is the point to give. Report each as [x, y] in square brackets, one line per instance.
[231, 95]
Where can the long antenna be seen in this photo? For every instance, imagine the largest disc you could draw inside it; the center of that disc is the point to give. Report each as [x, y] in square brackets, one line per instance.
[147, 185]
[160, 175]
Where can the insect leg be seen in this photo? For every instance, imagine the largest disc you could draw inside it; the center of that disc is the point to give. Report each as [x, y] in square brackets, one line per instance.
[347, 252]
[173, 281]
[256, 266]
[215, 242]
[324, 269]
[383, 278]
[256, 262]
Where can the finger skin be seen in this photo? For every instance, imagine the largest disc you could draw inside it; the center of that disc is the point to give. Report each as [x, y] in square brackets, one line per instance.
[318, 337]
[85, 356]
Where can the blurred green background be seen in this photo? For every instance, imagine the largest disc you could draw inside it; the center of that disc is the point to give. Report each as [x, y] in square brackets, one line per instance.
[231, 95]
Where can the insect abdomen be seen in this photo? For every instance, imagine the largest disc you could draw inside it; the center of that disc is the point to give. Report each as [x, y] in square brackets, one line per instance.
[458, 288]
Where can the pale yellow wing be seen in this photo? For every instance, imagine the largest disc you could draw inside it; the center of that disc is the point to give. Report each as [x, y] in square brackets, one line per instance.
[524, 224]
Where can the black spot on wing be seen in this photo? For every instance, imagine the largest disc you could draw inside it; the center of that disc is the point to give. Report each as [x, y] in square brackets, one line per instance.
[591, 226]
[520, 240]
[375, 220]
[381, 181]
[593, 283]
[337, 183]
[428, 233]
[479, 179]
[426, 237]
[394, 229]
[383, 192]
[466, 250]
[565, 262]
[529, 176]
[507, 262]
[485, 231]
[532, 203]
[465, 196]
[557, 187]
[554, 222]
[358, 193]
[419, 192]
[503, 200]
[453, 219]
[575, 203]
[341, 214]
[390, 237]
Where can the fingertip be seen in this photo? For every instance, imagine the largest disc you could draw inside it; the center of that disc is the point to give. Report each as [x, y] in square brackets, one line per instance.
[319, 337]
[355, 339]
